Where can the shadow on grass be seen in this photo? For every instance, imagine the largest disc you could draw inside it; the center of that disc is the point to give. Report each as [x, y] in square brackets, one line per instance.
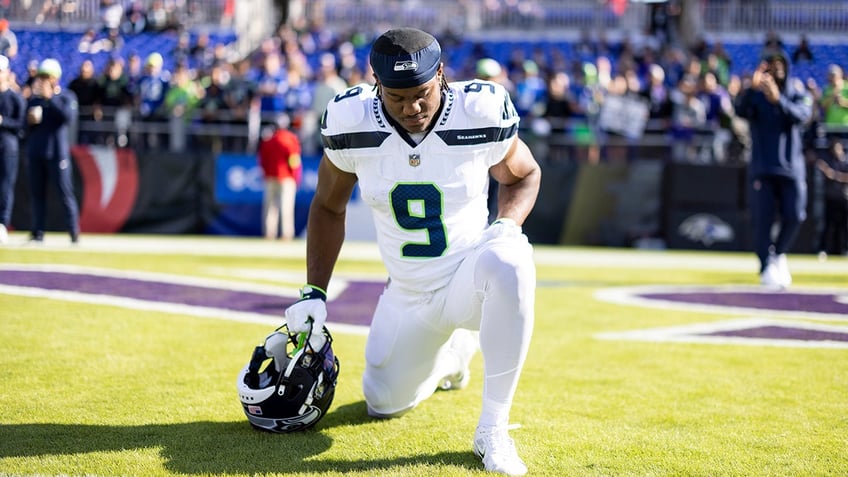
[214, 447]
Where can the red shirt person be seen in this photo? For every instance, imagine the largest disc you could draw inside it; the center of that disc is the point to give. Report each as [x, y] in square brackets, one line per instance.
[279, 157]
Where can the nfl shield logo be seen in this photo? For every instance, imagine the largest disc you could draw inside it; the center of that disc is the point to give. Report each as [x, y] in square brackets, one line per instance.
[414, 160]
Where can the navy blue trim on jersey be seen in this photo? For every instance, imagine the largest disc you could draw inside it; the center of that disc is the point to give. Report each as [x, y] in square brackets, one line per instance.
[360, 140]
[468, 137]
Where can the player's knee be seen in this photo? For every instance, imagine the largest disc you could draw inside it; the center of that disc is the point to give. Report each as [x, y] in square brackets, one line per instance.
[506, 269]
[379, 399]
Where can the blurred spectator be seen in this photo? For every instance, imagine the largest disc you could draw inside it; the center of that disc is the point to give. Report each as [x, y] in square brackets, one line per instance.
[530, 91]
[135, 18]
[773, 40]
[490, 70]
[202, 53]
[111, 14]
[228, 13]
[241, 100]
[32, 72]
[184, 94]
[834, 234]
[8, 40]
[214, 108]
[279, 156]
[152, 88]
[181, 101]
[214, 105]
[181, 54]
[716, 67]
[560, 107]
[87, 90]
[739, 148]
[585, 47]
[134, 71]
[719, 110]
[560, 104]
[49, 113]
[591, 98]
[161, 17]
[116, 101]
[298, 97]
[803, 53]
[689, 115]
[12, 123]
[87, 42]
[778, 111]
[658, 95]
[834, 99]
[328, 84]
[113, 42]
[272, 86]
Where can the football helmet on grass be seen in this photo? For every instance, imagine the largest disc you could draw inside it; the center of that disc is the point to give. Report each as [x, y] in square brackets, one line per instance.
[287, 385]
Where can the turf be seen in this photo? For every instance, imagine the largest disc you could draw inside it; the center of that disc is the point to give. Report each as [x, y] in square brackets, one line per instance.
[105, 390]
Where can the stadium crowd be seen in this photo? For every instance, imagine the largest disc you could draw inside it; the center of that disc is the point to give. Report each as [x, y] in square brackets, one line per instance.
[593, 101]
[684, 94]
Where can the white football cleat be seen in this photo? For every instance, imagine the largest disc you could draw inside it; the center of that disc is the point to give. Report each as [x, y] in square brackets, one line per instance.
[497, 449]
[4, 234]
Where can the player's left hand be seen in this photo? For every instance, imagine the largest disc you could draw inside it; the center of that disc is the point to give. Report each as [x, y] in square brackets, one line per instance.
[308, 314]
[501, 228]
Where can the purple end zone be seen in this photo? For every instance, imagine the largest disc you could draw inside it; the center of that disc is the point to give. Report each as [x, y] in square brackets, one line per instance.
[778, 301]
[811, 302]
[353, 306]
[783, 333]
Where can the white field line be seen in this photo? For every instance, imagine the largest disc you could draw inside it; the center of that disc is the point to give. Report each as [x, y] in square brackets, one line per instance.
[368, 251]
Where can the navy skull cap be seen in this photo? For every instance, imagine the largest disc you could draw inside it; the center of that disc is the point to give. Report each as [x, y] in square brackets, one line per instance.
[405, 58]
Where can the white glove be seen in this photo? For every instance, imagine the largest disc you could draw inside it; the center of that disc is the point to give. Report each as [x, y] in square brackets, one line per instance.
[309, 312]
[501, 228]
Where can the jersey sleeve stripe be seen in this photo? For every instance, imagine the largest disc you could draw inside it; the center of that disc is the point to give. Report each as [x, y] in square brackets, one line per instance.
[360, 140]
[468, 137]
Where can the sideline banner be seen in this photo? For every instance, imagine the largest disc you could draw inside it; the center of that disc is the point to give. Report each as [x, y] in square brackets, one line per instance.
[238, 191]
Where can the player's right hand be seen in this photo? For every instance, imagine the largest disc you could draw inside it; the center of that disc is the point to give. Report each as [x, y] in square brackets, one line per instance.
[310, 312]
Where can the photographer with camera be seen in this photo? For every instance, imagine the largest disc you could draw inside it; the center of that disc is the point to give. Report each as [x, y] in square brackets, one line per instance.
[777, 108]
[49, 113]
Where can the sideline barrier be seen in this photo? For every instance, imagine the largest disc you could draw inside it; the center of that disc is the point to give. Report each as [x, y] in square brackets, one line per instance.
[609, 204]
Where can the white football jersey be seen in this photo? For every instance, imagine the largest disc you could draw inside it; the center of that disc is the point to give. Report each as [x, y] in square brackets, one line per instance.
[429, 200]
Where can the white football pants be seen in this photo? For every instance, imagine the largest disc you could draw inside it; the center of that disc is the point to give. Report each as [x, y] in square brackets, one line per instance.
[408, 350]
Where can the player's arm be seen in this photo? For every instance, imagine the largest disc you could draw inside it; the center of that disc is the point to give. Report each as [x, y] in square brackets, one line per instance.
[518, 176]
[325, 228]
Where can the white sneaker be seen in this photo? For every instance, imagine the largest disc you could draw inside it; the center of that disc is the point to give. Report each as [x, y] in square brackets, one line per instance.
[768, 278]
[497, 449]
[455, 382]
[783, 276]
[463, 343]
[4, 234]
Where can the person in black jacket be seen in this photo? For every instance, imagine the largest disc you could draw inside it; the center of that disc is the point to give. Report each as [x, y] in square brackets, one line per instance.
[49, 113]
[11, 124]
[777, 108]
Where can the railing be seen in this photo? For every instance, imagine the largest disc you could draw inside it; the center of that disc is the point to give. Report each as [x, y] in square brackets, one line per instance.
[552, 140]
[476, 16]
[89, 13]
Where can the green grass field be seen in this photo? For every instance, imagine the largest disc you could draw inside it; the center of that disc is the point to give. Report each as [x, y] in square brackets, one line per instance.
[108, 390]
